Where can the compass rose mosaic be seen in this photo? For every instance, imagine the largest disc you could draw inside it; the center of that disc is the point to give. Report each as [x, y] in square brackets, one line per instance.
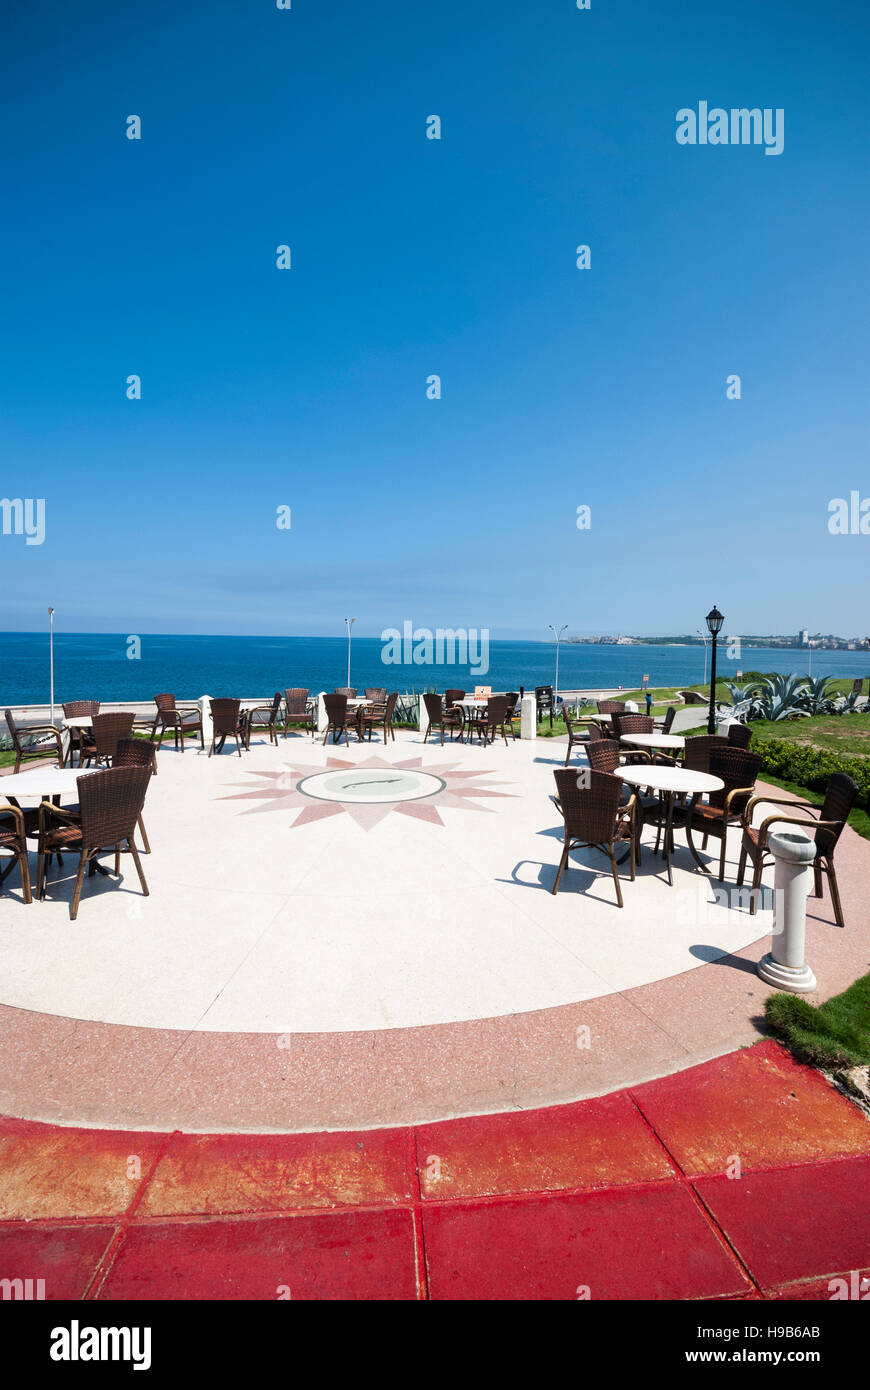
[369, 790]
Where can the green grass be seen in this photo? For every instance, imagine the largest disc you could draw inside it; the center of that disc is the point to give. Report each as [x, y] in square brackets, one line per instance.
[835, 1035]
[847, 734]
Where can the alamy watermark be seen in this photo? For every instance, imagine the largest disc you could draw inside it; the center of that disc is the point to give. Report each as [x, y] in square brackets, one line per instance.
[24, 517]
[420, 646]
[741, 125]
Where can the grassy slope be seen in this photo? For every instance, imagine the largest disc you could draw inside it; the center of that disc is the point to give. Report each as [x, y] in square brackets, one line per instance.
[834, 1035]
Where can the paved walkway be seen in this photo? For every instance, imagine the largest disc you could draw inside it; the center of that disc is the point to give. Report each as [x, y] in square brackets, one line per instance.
[743, 1178]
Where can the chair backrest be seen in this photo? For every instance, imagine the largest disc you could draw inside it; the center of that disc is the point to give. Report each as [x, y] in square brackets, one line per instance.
[738, 768]
[76, 709]
[739, 734]
[482, 692]
[668, 719]
[134, 752]
[225, 715]
[496, 710]
[858, 686]
[13, 730]
[451, 696]
[840, 796]
[110, 803]
[377, 693]
[390, 706]
[348, 690]
[164, 702]
[512, 696]
[603, 754]
[297, 701]
[336, 707]
[108, 728]
[696, 753]
[434, 706]
[276, 704]
[632, 724]
[611, 706]
[589, 809]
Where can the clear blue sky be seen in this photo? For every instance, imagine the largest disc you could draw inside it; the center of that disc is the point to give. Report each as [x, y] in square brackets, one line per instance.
[308, 387]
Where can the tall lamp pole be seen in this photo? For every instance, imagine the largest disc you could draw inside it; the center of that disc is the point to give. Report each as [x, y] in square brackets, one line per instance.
[704, 640]
[51, 659]
[349, 622]
[557, 635]
[715, 619]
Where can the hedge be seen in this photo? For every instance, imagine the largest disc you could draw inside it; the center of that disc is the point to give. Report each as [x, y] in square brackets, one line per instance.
[812, 767]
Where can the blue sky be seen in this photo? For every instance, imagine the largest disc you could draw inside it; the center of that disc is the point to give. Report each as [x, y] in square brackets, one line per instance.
[410, 257]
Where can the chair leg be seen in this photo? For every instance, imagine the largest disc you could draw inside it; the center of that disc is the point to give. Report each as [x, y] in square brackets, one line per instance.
[722, 854]
[612, 859]
[562, 862]
[117, 861]
[40, 867]
[77, 891]
[755, 892]
[25, 874]
[835, 893]
[817, 878]
[145, 843]
[136, 860]
[741, 868]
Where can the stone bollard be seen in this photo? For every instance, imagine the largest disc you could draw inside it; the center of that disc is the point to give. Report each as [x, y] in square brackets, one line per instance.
[204, 703]
[322, 718]
[724, 724]
[784, 966]
[528, 717]
[422, 716]
[630, 707]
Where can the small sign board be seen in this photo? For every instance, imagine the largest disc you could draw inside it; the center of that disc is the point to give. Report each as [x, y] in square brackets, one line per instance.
[644, 681]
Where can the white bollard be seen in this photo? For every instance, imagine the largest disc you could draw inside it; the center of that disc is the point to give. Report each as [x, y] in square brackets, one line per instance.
[422, 716]
[724, 725]
[630, 707]
[322, 718]
[785, 965]
[204, 703]
[529, 717]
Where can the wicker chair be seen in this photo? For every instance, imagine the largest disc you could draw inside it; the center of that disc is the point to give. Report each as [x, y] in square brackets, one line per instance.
[452, 697]
[696, 753]
[79, 739]
[377, 694]
[739, 771]
[339, 718]
[137, 752]
[664, 727]
[632, 724]
[489, 722]
[348, 690]
[840, 796]
[110, 804]
[580, 731]
[606, 755]
[228, 721]
[264, 717]
[440, 718]
[611, 706]
[595, 818]
[512, 715]
[108, 728]
[740, 735]
[13, 837]
[378, 717]
[29, 752]
[296, 710]
[544, 703]
[181, 719]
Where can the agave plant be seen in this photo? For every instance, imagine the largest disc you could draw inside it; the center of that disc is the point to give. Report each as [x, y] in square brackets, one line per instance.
[816, 696]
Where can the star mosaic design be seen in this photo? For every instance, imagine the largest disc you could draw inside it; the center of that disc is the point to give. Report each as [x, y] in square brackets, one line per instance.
[279, 791]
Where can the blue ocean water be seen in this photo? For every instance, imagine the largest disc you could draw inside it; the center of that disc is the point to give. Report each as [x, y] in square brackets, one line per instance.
[96, 666]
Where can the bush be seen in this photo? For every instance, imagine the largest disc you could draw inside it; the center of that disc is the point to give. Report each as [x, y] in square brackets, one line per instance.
[812, 767]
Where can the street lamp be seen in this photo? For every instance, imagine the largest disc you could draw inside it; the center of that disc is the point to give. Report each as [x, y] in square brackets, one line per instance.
[704, 640]
[715, 619]
[51, 659]
[557, 635]
[349, 622]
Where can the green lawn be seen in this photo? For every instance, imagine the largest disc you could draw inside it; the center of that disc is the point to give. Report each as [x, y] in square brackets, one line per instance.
[847, 734]
[834, 1035]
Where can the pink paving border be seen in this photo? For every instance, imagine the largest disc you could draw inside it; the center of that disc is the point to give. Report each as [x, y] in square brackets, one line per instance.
[68, 1071]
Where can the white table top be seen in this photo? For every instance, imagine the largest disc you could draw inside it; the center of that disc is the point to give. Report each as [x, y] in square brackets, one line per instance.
[43, 781]
[655, 740]
[663, 778]
[78, 721]
[471, 703]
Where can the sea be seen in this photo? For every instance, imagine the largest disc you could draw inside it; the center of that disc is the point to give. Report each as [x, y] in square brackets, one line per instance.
[97, 666]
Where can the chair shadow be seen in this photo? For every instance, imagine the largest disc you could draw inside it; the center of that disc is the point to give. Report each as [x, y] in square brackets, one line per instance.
[712, 955]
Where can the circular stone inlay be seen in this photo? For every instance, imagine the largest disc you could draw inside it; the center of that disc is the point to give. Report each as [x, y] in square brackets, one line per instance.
[369, 784]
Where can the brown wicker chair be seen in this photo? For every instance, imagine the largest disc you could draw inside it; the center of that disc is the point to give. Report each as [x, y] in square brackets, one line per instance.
[110, 804]
[696, 753]
[489, 722]
[840, 796]
[339, 718]
[13, 837]
[378, 717]
[79, 739]
[377, 694]
[512, 715]
[264, 717]
[296, 710]
[606, 755]
[664, 726]
[451, 697]
[348, 690]
[611, 706]
[740, 735]
[739, 771]
[29, 752]
[595, 818]
[108, 728]
[439, 717]
[180, 719]
[580, 731]
[137, 752]
[227, 721]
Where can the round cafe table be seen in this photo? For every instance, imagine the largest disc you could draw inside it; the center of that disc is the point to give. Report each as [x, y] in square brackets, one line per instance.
[42, 782]
[668, 781]
[671, 743]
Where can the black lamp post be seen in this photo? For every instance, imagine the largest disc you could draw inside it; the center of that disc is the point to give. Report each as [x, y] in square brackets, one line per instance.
[715, 619]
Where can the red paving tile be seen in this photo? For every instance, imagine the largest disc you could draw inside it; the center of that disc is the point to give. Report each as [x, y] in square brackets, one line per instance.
[652, 1243]
[795, 1223]
[757, 1104]
[46, 1171]
[213, 1173]
[346, 1255]
[66, 1257]
[596, 1143]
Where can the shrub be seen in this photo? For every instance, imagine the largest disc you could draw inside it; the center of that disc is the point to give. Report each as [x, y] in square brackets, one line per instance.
[812, 767]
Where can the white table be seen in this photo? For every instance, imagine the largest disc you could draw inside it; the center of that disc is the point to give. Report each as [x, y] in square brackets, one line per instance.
[41, 782]
[673, 741]
[668, 781]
